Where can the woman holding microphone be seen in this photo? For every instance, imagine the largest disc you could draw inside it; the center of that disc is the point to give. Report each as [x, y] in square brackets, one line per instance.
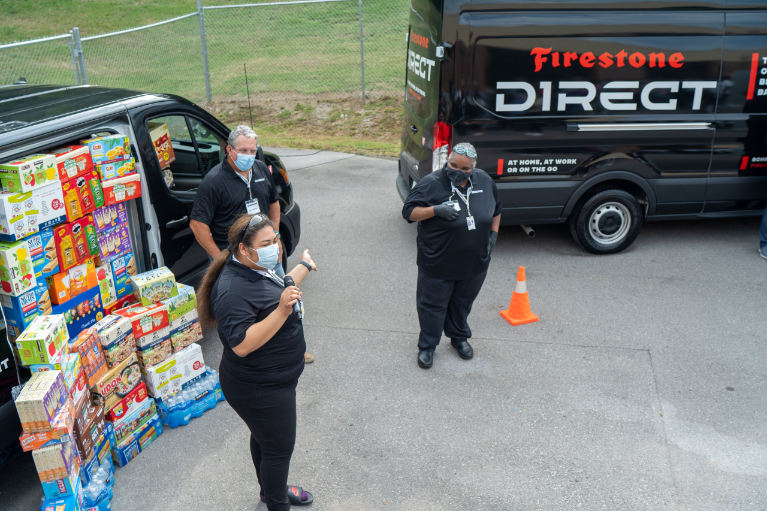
[259, 318]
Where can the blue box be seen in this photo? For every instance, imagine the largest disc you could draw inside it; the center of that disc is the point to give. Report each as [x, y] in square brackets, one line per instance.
[70, 503]
[137, 442]
[119, 267]
[91, 465]
[21, 310]
[68, 486]
[38, 249]
[82, 311]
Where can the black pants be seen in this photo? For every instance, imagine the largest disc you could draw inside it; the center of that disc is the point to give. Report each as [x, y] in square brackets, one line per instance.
[270, 413]
[444, 305]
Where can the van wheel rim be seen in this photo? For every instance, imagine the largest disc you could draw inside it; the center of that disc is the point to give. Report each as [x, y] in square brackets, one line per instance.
[610, 223]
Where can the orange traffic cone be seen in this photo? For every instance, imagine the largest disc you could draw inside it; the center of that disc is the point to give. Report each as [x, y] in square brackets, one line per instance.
[519, 311]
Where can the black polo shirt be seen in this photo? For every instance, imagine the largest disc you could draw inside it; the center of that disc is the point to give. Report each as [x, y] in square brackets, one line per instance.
[240, 298]
[449, 250]
[222, 195]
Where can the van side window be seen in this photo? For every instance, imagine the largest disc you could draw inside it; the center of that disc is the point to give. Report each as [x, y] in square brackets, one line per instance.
[183, 164]
[212, 147]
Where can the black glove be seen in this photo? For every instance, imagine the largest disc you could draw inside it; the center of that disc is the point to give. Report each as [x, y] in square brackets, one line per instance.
[446, 212]
[491, 242]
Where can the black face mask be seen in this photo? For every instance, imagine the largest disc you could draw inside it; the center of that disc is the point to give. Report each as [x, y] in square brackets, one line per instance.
[457, 177]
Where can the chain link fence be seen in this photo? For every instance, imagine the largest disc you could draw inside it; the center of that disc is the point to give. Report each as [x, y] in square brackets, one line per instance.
[306, 47]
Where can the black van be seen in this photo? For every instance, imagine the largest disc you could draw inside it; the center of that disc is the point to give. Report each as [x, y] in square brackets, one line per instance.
[603, 114]
[35, 119]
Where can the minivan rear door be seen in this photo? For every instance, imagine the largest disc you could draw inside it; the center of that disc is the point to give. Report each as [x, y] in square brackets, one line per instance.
[421, 84]
[555, 99]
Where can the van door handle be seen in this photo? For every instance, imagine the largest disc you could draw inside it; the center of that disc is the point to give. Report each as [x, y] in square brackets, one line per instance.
[176, 222]
[647, 126]
[414, 128]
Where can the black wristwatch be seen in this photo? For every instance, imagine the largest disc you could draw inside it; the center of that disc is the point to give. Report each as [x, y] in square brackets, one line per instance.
[308, 266]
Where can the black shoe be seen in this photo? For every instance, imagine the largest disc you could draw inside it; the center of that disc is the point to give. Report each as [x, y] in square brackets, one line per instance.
[425, 359]
[463, 348]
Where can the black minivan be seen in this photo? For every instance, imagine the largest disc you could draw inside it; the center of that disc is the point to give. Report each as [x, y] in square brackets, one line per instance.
[600, 114]
[36, 119]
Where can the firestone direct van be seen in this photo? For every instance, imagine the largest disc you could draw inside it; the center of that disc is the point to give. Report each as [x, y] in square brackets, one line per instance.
[600, 114]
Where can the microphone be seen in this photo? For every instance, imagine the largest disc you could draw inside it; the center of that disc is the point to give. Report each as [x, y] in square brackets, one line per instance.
[288, 280]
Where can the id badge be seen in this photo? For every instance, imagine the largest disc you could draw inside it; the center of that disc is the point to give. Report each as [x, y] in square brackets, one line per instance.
[470, 222]
[252, 206]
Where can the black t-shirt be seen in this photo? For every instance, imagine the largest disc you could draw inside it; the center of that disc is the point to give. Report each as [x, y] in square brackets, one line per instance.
[222, 195]
[449, 250]
[239, 298]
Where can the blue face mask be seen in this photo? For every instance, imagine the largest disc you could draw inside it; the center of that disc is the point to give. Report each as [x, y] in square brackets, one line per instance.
[268, 257]
[244, 161]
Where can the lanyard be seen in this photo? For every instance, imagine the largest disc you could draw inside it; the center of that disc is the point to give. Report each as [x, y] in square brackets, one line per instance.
[247, 182]
[273, 277]
[466, 198]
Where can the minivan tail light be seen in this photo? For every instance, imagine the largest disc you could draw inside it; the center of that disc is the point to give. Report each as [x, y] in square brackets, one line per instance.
[443, 135]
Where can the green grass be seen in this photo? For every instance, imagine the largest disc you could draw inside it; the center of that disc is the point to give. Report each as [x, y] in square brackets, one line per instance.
[304, 52]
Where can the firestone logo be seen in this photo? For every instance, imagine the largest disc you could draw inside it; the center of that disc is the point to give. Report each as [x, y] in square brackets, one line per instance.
[614, 96]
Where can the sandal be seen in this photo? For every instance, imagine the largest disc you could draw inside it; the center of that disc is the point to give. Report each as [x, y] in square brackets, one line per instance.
[293, 493]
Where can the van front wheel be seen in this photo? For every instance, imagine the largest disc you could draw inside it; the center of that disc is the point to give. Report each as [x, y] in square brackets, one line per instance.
[607, 223]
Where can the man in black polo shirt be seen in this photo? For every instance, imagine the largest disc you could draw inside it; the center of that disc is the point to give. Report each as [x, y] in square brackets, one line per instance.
[240, 184]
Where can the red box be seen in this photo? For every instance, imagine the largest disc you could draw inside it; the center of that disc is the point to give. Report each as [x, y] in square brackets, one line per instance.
[120, 303]
[73, 161]
[91, 355]
[121, 189]
[146, 320]
[128, 404]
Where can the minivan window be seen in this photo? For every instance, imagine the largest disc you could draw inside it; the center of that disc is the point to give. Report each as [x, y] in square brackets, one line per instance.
[212, 147]
[185, 169]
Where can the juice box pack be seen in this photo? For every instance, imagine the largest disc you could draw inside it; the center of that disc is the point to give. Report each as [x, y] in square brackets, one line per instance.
[40, 401]
[42, 340]
[57, 363]
[111, 216]
[28, 173]
[72, 161]
[106, 149]
[154, 286]
[42, 249]
[21, 310]
[87, 345]
[15, 223]
[17, 273]
[82, 311]
[115, 169]
[121, 189]
[135, 420]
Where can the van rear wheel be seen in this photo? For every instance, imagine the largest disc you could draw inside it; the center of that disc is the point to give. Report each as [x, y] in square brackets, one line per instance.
[607, 223]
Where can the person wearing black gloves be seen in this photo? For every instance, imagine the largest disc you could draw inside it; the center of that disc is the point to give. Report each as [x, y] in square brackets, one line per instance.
[263, 336]
[458, 213]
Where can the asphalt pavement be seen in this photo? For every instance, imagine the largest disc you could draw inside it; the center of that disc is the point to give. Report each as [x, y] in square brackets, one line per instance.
[642, 387]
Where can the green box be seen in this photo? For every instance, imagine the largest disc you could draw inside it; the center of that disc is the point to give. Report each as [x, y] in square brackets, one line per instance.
[43, 339]
[182, 303]
[154, 286]
[28, 173]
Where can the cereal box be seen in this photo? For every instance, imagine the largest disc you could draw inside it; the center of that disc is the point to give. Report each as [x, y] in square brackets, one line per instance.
[40, 400]
[43, 339]
[72, 161]
[125, 451]
[167, 378]
[115, 169]
[121, 189]
[158, 132]
[82, 311]
[154, 286]
[88, 346]
[21, 310]
[72, 282]
[114, 242]
[186, 335]
[118, 382]
[49, 205]
[145, 320]
[155, 353]
[28, 173]
[105, 149]
[61, 431]
[17, 273]
[182, 303]
[111, 216]
[42, 249]
[14, 221]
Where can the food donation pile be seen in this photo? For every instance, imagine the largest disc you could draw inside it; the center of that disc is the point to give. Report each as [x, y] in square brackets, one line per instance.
[112, 353]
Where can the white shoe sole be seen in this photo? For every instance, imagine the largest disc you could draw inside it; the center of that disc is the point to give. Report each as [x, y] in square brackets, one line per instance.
[762, 253]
